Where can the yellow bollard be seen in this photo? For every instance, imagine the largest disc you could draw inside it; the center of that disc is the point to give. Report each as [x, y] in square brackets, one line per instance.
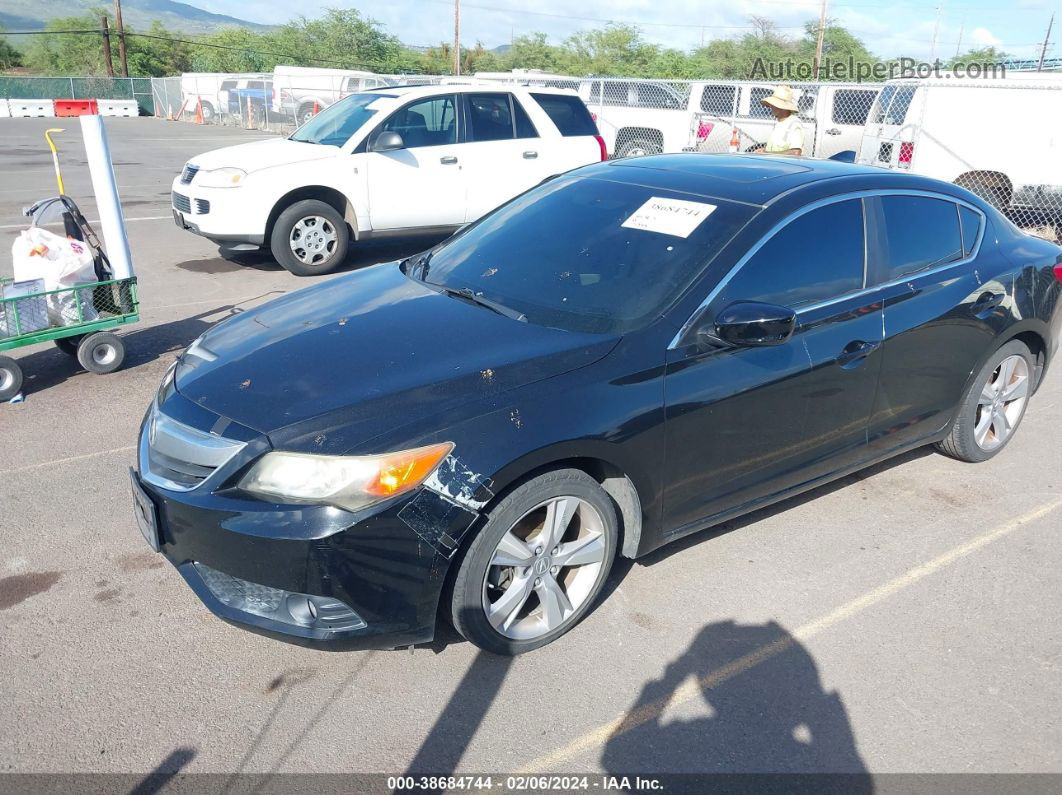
[55, 156]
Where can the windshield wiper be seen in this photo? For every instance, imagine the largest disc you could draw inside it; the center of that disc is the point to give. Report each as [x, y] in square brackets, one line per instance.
[411, 266]
[470, 295]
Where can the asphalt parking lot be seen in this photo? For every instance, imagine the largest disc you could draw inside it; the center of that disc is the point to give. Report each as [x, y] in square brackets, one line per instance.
[901, 620]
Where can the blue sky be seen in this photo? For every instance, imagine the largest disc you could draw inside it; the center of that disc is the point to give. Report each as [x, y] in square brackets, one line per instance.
[889, 28]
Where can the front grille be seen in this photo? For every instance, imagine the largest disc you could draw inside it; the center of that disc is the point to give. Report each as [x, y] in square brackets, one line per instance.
[179, 457]
[202, 206]
[189, 173]
[181, 202]
[885, 153]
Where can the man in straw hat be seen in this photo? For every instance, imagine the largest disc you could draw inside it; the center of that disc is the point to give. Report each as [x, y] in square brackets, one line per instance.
[787, 137]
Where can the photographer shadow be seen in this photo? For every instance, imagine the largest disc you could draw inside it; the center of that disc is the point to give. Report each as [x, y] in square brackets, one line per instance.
[767, 714]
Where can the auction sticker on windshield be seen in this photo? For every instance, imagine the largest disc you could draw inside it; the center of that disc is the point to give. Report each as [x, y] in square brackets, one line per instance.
[669, 216]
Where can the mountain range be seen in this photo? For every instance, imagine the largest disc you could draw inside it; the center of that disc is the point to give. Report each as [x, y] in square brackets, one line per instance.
[138, 14]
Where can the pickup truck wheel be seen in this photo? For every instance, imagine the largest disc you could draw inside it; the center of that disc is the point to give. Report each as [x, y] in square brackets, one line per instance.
[304, 114]
[998, 195]
[310, 238]
[636, 147]
[208, 112]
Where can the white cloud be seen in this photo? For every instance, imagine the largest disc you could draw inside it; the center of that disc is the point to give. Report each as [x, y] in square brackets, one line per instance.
[984, 37]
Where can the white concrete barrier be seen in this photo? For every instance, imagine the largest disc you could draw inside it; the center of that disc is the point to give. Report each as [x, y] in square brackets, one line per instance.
[31, 107]
[118, 107]
[5, 111]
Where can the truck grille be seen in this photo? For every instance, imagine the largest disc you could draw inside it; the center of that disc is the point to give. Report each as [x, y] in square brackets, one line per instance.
[189, 173]
[181, 202]
[179, 457]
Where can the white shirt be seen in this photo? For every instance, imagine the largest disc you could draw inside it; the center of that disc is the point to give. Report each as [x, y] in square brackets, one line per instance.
[787, 134]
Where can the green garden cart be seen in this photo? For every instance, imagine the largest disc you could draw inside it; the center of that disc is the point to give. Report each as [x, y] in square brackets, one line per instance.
[80, 319]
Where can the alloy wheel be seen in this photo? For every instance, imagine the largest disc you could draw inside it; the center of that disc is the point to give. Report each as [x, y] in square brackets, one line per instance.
[1001, 402]
[544, 568]
[313, 239]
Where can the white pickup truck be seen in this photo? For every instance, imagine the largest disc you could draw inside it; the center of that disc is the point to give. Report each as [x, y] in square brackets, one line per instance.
[649, 116]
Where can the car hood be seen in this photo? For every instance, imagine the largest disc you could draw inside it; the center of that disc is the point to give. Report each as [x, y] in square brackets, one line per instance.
[355, 356]
[262, 154]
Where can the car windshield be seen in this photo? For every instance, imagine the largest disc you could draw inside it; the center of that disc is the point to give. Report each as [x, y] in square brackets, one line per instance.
[334, 125]
[586, 254]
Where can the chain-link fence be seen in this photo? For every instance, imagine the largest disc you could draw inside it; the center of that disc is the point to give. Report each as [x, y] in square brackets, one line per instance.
[136, 88]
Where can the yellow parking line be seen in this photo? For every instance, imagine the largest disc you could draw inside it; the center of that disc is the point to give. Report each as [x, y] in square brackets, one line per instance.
[58, 461]
[599, 736]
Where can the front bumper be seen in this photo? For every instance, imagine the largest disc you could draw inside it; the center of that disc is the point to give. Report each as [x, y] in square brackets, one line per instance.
[375, 576]
[223, 215]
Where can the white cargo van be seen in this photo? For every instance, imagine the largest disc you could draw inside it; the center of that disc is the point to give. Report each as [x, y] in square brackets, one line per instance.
[298, 90]
[649, 116]
[999, 138]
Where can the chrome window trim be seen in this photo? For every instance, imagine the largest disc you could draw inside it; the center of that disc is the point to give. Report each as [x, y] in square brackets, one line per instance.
[862, 195]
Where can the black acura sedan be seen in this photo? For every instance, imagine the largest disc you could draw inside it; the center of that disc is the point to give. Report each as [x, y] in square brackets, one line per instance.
[621, 356]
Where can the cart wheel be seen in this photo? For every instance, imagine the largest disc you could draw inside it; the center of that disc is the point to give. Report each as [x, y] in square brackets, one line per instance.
[10, 378]
[68, 345]
[101, 352]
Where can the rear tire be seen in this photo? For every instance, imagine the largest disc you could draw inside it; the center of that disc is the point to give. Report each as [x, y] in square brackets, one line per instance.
[993, 406]
[10, 378]
[101, 353]
[561, 532]
[996, 195]
[310, 238]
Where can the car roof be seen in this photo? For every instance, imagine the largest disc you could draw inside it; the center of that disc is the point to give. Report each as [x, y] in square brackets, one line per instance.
[463, 88]
[748, 178]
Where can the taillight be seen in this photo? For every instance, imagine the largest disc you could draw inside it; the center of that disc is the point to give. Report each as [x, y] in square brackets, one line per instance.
[1058, 269]
[594, 117]
[601, 145]
[906, 154]
[704, 129]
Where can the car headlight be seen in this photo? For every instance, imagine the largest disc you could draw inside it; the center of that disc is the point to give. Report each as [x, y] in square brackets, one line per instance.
[221, 178]
[349, 482]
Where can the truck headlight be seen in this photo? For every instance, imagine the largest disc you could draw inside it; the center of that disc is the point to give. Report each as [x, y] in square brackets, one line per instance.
[349, 482]
[221, 178]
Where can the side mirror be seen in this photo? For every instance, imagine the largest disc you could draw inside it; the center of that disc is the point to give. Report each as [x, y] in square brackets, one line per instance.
[388, 141]
[752, 324]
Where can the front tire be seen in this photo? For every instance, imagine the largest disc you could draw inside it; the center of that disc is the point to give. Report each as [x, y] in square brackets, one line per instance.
[993, 406]
[310, 238]
[537, 566]
[10, 378]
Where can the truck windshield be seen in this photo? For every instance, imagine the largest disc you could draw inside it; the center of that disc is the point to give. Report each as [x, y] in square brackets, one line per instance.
[334, 125]
[585, 254]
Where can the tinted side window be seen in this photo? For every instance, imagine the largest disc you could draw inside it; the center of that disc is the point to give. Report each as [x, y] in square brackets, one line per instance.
[430, 122]
[757, 110]
[851, 106]
[489, 117]
[524, 127]
[568, 113]
[814, 258]
[920, 233]
[718, 100]
[971, 226]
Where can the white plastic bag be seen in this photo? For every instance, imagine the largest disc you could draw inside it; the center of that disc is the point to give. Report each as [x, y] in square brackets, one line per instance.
[61, 263]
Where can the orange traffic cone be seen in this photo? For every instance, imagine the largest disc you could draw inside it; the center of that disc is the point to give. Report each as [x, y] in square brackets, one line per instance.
[199, 111]
[735, 141]
[316, 107]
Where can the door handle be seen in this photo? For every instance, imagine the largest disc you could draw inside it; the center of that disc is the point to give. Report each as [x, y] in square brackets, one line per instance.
[986, 302]
[449, 160]
[855, 353]
[833, 131]
[530, 155]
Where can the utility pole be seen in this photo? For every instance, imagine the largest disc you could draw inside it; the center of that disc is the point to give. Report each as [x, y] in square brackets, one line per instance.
[936, 30]
[106, 33]
[958, 46]
[1043, 50]
[818, 43]
[457, 36]
[121, 37]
